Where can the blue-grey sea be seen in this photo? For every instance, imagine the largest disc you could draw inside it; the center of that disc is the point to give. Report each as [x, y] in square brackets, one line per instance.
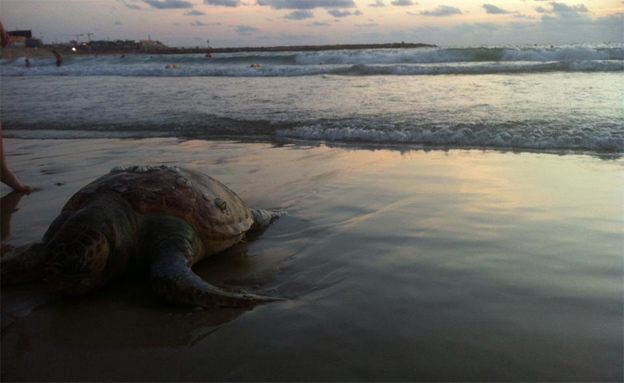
[563, 98]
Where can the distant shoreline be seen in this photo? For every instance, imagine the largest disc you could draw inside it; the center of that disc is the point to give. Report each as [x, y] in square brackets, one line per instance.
[46, 50]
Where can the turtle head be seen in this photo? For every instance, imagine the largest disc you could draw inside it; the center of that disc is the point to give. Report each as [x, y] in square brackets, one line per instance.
[77, 261]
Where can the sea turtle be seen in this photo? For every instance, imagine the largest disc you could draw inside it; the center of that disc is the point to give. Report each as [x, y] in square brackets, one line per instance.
[157, 219]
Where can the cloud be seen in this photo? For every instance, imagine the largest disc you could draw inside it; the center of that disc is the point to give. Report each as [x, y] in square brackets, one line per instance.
[131, 6]
[494, 10]
[118, 23]
[198, 23]
[377, 3]
[169, 4]
[368, 25]
[194, 12]
[345, 13]
[319, 24]
[299, 15]
[223, 3]
[478, 28]
[546, 30]
[306, 4]
[402, 3]
[523, 16]
[442, 10]
[565, 8]
[563, 11]
[245, 29]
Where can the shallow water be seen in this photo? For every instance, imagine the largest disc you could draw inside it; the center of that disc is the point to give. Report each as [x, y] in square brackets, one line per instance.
[561, 99]
[397, 265]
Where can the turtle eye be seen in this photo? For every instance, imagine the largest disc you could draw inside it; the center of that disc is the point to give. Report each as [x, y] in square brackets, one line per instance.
[183, 182]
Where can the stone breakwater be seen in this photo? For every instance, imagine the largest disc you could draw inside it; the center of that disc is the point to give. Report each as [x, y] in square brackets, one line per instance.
[304, 48]
[16, 52]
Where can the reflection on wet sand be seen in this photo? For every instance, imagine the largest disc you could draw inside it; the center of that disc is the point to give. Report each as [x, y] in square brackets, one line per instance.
[411, 266]
[128, 307]
[23, 299]
[8, 206]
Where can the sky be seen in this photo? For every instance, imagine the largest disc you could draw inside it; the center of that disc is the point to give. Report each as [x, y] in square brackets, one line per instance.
[257, 23]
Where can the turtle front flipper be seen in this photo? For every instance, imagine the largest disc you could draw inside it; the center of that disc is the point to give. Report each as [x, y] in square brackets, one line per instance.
[30, 265]
[172, 278]
[263, 218]
[23, 267]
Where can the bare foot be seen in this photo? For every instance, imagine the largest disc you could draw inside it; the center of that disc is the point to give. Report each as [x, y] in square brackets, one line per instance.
[21, 188]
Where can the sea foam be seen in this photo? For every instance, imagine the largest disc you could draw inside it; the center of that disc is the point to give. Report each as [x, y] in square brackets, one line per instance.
[603, 140]
[427, 61]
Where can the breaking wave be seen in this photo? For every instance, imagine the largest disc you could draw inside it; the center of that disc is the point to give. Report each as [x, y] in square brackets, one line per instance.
[453, 55]
[426, 61]
[595, 139]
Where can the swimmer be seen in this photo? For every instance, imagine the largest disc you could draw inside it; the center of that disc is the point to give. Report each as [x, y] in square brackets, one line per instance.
[59, 58]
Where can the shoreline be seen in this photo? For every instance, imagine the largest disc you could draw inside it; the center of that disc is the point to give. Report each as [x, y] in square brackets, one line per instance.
[18, 134]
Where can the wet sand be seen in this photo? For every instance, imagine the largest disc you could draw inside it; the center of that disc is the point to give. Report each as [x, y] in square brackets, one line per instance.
[397, 265]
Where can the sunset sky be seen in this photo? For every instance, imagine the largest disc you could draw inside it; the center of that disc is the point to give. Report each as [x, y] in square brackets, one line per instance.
[296, 22]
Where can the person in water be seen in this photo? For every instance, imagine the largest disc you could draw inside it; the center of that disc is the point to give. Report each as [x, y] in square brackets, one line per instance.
[59, 58]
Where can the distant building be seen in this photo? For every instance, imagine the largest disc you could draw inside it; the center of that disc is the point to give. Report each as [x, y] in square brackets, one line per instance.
[151, 45]
[33, 43]
[23, 38]
[27, 34]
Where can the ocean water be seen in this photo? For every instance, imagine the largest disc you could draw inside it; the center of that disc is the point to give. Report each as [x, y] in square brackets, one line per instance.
[538, 98]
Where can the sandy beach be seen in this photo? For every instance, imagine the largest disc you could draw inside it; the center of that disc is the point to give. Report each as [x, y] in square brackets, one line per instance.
[456, 265]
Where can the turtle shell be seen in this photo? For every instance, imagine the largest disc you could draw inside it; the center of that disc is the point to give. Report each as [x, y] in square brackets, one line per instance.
[211, 208]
